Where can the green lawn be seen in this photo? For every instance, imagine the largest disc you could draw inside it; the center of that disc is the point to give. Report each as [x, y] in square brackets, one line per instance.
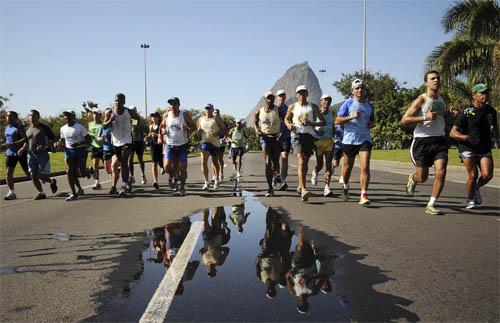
[403, 156]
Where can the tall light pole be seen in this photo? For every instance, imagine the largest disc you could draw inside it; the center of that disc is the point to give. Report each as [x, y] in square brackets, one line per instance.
[364, 41]
[322, 71]
[145, 46]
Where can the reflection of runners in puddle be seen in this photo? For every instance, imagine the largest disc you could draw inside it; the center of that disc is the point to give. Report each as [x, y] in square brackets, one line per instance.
[215, 235]
[273, 261]
[238, 216]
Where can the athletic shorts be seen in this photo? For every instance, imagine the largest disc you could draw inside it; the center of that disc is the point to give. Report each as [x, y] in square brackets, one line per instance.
[424, 151]
[119, 151]
[337, 153]
[177, 153]
[352, 150]
[475, 155]
[214, 151]
[137, 147]
[156, 153]
[107, 155]
[39, 163]
[323, 145]
[303, 143]
[77, 154]
[97, 153]
[235, 152]
[286, 144]
[270, 143]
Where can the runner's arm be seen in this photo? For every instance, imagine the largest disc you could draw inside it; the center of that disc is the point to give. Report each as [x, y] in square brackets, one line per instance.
[256, 124]
[108, 119]
[456, 131]
[319, 116]
[288, 118]
[410, 118]
[343, 114]
[189, 122]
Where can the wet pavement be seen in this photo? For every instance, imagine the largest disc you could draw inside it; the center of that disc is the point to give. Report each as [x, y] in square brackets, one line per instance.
[250, 263]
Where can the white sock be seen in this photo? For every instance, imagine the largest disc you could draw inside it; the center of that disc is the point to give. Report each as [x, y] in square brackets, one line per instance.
[432, 200]
[97, 181]
[346, 186]
[363, 193]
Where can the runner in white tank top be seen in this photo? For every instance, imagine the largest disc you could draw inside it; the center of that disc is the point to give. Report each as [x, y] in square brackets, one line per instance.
[119, 119]
[177, 125]
[429, 146]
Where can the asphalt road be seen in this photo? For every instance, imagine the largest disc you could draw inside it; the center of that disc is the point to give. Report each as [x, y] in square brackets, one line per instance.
[397, 263]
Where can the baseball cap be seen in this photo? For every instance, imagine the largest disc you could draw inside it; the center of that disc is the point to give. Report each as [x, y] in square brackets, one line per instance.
[280, 92]
[300, 88]
[356, 82]
[69, 112]
[480, 87]
[132, 107]
[268, 94]
[96, 110]
[155, 114]
[326, 96]
[174, 99]
[209, 106]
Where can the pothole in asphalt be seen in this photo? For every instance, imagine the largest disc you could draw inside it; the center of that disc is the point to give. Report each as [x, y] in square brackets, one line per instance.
[250, 263]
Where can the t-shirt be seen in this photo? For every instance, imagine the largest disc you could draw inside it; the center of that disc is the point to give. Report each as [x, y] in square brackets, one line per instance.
[474, 122]
[94, 130]
[106, 144]
[356, 131]
[237, 138]
[325, 131]
[36, 136]
[285, 133]
[12, 134]
[74, 134]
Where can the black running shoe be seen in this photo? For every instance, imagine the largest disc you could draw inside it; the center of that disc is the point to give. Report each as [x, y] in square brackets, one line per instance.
[53, 185]
[113, 190]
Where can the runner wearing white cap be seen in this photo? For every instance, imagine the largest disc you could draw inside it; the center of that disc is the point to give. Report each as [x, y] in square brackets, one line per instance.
[267, 127]
[95, 127]
[324, 144]
[301, 119]
[356, 115]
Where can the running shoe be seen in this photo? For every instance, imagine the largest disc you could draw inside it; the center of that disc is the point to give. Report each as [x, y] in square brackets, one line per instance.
[10, 196]
[221, 178]
[97, 186]
[305, 196]
[269, 193]
[40, 196]
[410, 186]
[283, 186]
[238, 174]
[53, 185]
[113, 190]
[182, 192]
[216, 184]
[122, 193]
[80, 192]
[144, 180]
[171, 183]
[299, 191]
[345, 194]
[470, 204]
[205, 187]
[431, 210]
[314, 178]
[71, 197]
[128, 187]
[156, 186]
[477, 197]
[327, 191]
[363, 200]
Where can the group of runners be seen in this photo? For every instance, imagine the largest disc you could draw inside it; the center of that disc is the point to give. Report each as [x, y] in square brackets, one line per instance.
[336, 138]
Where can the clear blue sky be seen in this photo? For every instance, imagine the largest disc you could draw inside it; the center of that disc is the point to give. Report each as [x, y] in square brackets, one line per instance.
[56, 54]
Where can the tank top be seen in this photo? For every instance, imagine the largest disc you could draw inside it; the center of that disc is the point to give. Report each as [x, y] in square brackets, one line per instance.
[208, 125]
[175, 135]
[301, 112]
[121, 129]
[431, 128]
[269, 121]
[155, 130]
[237, 138]
[325, 131]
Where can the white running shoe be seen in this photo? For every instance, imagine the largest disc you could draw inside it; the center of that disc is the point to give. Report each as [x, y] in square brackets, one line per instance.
[238, 174]
[216, 184]
[470, 204]
[314, 178]
[144, 180]
[205, 187]
[327, 191]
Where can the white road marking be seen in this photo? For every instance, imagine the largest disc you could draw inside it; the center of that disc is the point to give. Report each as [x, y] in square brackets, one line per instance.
[160, 302]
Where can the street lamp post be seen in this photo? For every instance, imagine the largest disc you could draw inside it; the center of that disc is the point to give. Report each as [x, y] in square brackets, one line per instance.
[364, 39]
[322, 71]
[145, 46]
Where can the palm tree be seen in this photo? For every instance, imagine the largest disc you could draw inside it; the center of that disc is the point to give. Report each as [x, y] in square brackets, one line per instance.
[473, 54]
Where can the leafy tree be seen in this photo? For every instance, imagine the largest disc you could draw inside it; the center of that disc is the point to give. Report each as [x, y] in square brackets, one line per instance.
[473, 54]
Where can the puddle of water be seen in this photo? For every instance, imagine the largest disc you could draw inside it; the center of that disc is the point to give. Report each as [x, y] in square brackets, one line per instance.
[249, 264]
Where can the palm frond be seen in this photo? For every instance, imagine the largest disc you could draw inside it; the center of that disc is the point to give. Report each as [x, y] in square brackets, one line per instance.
[473, 19]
